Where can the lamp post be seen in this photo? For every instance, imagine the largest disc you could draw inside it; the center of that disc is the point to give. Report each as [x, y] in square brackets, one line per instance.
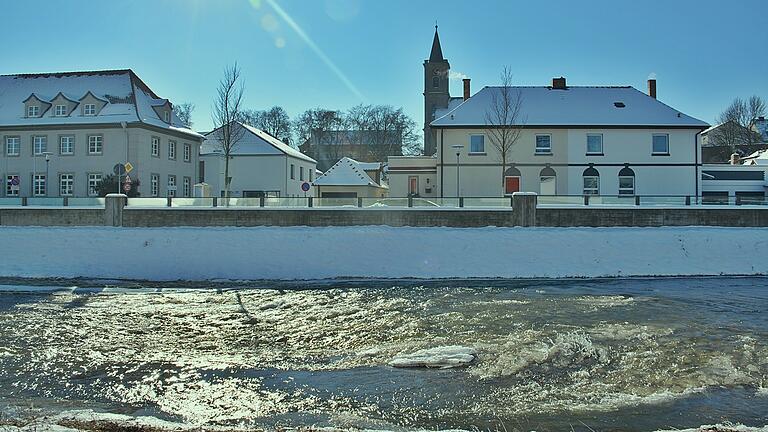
[458, 148]
[47, 162]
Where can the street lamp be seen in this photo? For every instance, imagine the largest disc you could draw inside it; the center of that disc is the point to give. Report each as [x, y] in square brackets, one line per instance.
[34, 170]
[458, 148]
[47, 162]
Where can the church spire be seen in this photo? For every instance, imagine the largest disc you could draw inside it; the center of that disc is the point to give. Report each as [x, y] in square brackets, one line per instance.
[437, 51]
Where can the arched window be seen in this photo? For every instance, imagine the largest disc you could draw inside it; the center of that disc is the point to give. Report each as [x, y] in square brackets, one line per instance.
[626, 181]
[547, 181]
[435, 82]
[591, 181]
[511, 180]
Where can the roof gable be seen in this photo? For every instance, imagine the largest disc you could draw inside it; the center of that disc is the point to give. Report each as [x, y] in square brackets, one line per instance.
[574, 106]
[345, 172]
[254, 142]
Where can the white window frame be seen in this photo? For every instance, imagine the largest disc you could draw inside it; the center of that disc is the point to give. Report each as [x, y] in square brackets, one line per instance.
[625, 190]
[60, 110]
[187, 152]
[653, 145]
[71, 139]
[471, 151]
[9, 192]
[93, 183]
[595, 153]
[33, 111]
[171, 184]
[39, 142]
[16, 145]
[155, 146]
[171, 150]
[68, 180]
[186, 187]
[89, 110]
[154, 185]
[542, 150]
[591, 190]
[95, 144]
[39, 184]
[167, 116]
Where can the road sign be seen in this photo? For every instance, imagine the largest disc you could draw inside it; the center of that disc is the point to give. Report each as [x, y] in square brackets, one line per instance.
[118, 169]
[127, 187]
[128, 179]
[305, 187]
[14, 181]
[128, 167]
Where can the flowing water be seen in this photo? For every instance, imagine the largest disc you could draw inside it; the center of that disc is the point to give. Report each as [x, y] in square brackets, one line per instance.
[632, 354]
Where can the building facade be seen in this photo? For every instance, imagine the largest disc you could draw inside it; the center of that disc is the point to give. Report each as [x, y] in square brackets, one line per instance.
[260, 166]
[63, 132]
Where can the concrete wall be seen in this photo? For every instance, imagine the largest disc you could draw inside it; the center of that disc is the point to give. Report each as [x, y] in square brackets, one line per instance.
[652, 217]
[51, 217]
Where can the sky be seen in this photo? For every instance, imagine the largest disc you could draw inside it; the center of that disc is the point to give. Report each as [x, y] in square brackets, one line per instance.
[335, 54]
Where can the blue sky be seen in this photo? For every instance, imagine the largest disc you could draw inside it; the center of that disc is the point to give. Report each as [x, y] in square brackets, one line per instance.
[337, 53]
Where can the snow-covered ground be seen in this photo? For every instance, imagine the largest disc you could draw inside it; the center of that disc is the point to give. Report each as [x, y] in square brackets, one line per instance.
[379, 252]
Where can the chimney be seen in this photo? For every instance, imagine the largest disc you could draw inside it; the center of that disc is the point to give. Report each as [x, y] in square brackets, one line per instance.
[466, 88]
[558, 83]
[652, 88]
[735, 159]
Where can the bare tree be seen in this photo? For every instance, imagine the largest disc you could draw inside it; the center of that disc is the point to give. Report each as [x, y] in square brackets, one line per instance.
[502, 119]
[274, 121]
[184, 113]
[382, 129]
[737, 122]
[227, 115]
[319, 130]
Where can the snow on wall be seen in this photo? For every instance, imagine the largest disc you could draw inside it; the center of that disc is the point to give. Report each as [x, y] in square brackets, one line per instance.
[379, 252]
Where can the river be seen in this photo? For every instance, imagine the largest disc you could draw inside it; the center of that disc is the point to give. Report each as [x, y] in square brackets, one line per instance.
[621, 354]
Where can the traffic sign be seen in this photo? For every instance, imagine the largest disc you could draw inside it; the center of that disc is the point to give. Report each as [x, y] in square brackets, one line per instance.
[305, 187]
[118, 169]
[128, 179]
[14, 181]
[128, 167]
[127, 187]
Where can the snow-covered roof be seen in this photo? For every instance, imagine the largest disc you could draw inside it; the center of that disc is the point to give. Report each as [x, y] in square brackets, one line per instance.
[369, 166]
[574, 106]
[453, 103]
[345, 172]
[254, 142]
[127, 99]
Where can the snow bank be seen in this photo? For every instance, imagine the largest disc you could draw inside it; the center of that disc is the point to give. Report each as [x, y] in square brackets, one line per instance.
[379, 252]
[439, 357]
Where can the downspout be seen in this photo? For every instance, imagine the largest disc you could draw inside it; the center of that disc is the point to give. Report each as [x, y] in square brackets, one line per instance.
[441, 162]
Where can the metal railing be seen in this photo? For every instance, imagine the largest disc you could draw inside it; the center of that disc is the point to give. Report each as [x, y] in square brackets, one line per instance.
[52, 202]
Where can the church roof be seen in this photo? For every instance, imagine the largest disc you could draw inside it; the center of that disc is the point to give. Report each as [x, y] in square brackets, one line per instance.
[576, 106]
[437, 52]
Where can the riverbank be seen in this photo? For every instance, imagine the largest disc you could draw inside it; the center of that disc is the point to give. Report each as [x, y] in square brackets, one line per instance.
[290, 253]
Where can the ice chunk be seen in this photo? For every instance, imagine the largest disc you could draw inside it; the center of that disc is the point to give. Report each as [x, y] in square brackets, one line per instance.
[439, 357]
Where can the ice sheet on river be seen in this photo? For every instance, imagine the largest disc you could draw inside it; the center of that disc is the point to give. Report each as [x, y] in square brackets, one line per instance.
[440, 357]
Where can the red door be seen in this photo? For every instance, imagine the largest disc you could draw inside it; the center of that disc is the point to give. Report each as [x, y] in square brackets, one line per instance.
[511, 184]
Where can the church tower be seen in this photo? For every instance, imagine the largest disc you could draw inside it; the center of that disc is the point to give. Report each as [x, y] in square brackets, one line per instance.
[436, 93]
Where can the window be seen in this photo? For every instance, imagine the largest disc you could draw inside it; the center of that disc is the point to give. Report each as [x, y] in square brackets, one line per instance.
[33, 111]
[626, 181]
[66, 184]
[12, 145]
[187, 187]
[154, 185]
[310, 173]
[171, 185]
[89, 109]
[301, 173]
[95, 144]
[93, 183]
[60, 111]
[548, 182]
[477, 143]
[201, 171]
[39, 144]
[594, 144]
[187, 152]
[171, 149]
[12, 185]
[591, 181]
[38, 185]
[67, 145]
[512, 180]
[543, 144]
[293, 176]
[661, 144]
[155, 146]
[167, 116]
[435, 82]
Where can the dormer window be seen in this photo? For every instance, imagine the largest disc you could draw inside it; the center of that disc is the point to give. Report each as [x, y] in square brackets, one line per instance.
[167, 116]
[60, 111]
[33, 111]
[89, 109]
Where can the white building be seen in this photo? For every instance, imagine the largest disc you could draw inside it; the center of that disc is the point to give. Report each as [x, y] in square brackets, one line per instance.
[349, 178]
[260, 166]
[63, 132]
[574, 141]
